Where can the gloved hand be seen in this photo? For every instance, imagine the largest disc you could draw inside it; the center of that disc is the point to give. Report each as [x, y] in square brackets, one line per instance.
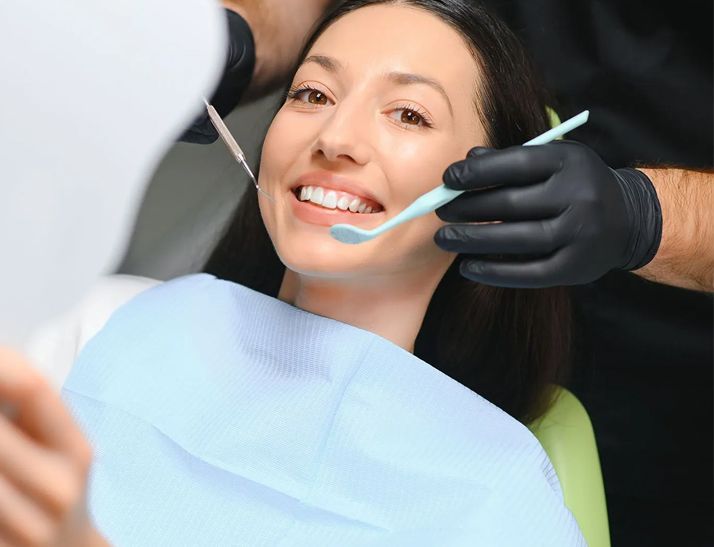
[567, 218]
[240, 61]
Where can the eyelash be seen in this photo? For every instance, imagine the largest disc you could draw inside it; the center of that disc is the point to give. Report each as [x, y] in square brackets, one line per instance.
[414, 108]
[295, 92]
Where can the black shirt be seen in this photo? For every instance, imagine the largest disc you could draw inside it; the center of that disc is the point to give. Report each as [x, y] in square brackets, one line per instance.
[644, 70]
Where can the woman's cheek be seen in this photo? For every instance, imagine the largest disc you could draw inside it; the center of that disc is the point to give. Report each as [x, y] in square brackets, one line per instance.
[272, 158]
[416, 165]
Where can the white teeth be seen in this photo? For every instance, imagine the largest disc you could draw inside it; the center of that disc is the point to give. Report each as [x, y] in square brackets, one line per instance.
[330, 200]
[342, 203]
[317, 195]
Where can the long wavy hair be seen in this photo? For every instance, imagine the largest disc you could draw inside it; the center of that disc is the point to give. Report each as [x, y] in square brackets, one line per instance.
[509, 345]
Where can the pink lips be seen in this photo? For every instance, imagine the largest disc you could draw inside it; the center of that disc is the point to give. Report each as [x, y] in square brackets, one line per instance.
[322, 216]
[330, 180]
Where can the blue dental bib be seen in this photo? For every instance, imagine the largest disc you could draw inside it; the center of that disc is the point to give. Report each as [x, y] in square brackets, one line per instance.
[221, 416]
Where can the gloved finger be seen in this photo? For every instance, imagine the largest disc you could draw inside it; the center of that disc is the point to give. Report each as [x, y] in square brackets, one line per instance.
[504, 203]
[530, 274]
[536, 237]
[201, 131]
[477, 151]
[514, 166]
[240, 62]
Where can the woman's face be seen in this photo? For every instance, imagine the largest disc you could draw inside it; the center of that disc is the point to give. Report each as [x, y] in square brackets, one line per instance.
[383, 103]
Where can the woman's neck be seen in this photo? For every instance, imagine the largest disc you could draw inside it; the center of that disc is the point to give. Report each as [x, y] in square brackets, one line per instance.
[392, 308]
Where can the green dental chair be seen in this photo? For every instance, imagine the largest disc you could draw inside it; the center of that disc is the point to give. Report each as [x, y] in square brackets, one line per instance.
[567, 436]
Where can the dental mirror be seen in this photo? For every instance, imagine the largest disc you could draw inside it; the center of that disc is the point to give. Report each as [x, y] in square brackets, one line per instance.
[441, 195]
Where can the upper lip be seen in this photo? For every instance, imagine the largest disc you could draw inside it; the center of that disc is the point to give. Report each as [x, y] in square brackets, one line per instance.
[333, 181]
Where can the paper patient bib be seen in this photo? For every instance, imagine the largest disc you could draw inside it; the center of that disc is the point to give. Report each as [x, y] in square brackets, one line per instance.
[221, 416]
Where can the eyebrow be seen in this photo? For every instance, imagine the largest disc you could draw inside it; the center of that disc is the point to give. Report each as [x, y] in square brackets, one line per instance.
[331, 64]
[406, 78]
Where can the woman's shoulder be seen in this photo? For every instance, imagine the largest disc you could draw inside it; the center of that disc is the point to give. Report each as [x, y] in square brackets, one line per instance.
[54, 347]
[106, 296]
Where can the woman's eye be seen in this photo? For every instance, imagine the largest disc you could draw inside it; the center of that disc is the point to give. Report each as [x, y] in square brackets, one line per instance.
[316, 97]
[311, 96]
[410, 116]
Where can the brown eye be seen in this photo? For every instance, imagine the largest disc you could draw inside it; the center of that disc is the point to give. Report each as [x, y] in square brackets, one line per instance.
[410, 117]
[317, 97]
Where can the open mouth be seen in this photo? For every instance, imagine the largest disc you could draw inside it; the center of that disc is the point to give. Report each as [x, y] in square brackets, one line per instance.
[329, 198]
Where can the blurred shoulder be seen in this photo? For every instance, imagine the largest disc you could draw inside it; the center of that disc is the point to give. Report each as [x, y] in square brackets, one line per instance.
[54, 347]
[108, 294]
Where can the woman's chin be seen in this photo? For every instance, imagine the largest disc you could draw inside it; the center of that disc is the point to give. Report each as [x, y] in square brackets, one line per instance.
[321, 257]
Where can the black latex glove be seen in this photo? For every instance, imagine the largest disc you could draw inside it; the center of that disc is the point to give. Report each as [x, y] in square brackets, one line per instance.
[240, 61]
[567, 217]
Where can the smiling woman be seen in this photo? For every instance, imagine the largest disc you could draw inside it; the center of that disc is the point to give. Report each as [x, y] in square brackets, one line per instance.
[350, 409]
[387, 94]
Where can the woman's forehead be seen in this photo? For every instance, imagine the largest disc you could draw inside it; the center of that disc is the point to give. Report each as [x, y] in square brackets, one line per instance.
[382, 39]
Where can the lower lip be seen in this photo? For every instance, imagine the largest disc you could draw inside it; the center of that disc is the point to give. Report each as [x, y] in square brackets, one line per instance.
[316, 214]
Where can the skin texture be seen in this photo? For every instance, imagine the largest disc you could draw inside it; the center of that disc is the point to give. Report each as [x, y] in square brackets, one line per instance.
[685, 257]
[356, 129]
[44, 462]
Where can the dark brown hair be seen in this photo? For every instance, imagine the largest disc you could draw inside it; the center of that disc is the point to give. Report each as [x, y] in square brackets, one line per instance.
[508, 345]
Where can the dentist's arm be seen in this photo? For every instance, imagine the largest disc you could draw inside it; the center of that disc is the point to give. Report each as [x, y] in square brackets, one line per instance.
[686, 254]
[44, 462]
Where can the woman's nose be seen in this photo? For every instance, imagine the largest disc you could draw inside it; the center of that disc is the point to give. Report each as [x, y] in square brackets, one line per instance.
[344, 136]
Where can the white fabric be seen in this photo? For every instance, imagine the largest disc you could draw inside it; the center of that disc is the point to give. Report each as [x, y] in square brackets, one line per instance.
[53, 347]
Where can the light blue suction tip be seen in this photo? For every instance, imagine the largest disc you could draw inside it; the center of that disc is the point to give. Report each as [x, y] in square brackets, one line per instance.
[441, 195]
[346, 233]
